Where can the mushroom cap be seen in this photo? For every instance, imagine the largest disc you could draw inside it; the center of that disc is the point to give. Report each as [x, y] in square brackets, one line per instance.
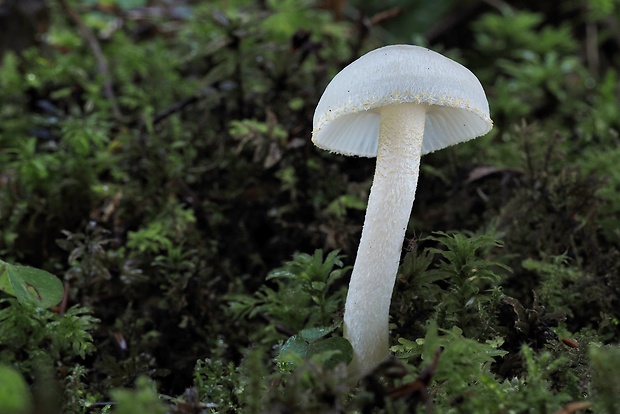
[347, 117]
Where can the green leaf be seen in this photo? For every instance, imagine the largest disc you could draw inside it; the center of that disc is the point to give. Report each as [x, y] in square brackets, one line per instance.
[14, 395]
[335, 349]
[311, 343]
[30, 285]
[5, 285]
[314, 334]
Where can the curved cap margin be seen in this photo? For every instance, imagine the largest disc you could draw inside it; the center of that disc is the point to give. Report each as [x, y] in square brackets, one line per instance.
[347, 117]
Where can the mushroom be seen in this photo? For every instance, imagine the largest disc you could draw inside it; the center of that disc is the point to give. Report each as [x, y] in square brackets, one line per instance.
[396, 103]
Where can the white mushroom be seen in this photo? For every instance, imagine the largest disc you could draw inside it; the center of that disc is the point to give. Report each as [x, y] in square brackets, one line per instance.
[396, 103]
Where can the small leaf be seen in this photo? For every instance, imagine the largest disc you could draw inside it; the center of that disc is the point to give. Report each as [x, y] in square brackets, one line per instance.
[313, 334]
[281, 273]
[296, 345]
[337, 349]
[311, 342]
[14, 395]
[30, 285]
[5, 284]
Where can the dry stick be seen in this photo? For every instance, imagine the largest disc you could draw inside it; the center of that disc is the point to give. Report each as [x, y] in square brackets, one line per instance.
[461, 15]
[177, 107]
[102, 63]
[385, 15]
[592, 57]
[366, 24]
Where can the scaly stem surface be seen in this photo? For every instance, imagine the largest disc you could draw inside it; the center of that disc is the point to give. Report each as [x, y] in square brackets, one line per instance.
[391, 198]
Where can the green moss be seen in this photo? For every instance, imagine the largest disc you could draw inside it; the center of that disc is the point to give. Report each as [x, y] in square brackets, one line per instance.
[179, 202]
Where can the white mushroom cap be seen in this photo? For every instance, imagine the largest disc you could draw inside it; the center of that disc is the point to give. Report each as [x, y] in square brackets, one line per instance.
[347, 117]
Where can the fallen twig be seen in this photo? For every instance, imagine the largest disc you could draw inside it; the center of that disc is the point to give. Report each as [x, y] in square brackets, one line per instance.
[102, 63]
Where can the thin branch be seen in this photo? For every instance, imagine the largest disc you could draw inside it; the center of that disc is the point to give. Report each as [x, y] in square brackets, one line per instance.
[385, 15]
[102, 63]
[177, 107]
[592, 40]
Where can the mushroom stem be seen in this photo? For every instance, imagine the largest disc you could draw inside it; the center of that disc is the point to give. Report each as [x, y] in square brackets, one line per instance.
[391, 198]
